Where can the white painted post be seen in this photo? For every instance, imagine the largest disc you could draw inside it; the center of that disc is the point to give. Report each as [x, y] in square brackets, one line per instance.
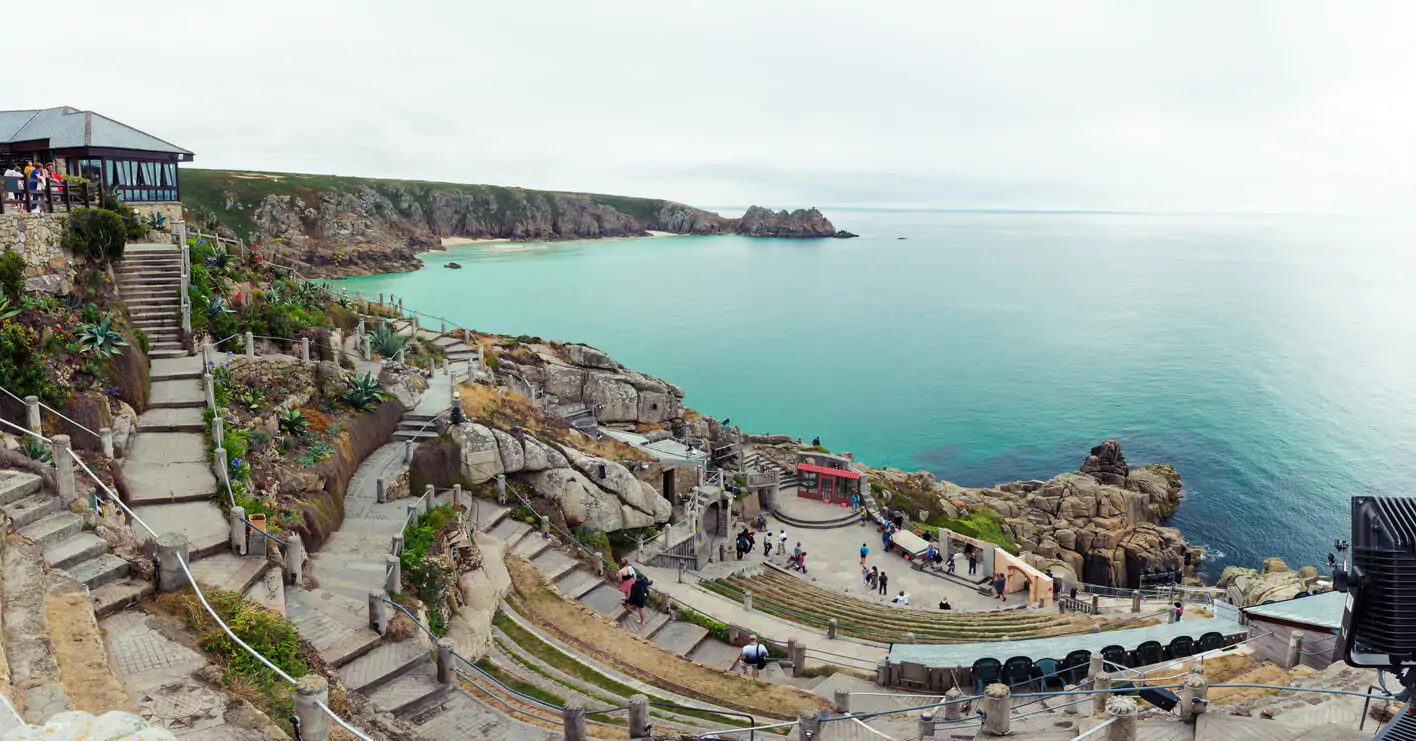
[64, 469]
[218, 430]
[393, 566]
[238, 531]
[378, 612]
[381, 490]
[170, 576]
[444, 325]
[294, 559]
[368, 348]
[305, 350]
[32, 413]
[105, 438]
[250, 345]
[311, 691]
[210, 384]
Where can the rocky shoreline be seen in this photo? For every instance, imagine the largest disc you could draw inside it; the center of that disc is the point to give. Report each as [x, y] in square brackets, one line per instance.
[333, 227]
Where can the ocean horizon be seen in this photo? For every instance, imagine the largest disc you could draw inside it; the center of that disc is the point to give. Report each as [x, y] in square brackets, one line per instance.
[1265, 357]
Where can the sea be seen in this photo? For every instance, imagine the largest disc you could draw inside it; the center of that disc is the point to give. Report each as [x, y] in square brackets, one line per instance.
[1270, 359]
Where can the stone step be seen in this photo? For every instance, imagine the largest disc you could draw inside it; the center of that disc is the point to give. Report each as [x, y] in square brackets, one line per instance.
[414, 435]
[168, 354]
[99, 571]
[553, 563]
[181, 419]
[77, 548]
[119, 595]
[410, 690]
[509, 529]
[489, 515]
[653, 621]
[170, 394]
[605, 600]
[16, 485]
[679, 637]
[714, 653]
[151, 321]
[31, 509]
[53, 529]
[530, 547]
[147, 497]
[230, 572]
[1216, 726]
[169, 372]
[383, 665]
[576, 582]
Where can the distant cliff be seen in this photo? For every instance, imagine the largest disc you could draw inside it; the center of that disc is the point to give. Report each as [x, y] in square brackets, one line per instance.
[346, 226]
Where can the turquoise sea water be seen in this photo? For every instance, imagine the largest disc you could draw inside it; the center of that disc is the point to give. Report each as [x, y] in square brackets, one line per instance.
[1269, 359]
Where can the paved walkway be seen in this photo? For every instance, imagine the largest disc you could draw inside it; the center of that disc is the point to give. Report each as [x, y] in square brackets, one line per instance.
[353, 561]
[171, 484]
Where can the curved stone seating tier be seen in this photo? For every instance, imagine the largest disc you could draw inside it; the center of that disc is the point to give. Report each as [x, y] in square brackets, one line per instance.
[793, 599]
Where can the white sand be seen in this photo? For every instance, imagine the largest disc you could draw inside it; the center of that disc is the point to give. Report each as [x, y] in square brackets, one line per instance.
[459, 241]
[653, 233]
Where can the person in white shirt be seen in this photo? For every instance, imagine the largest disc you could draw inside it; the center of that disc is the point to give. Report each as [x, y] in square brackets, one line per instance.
[12, 173]
[753, 657]
[902, 599]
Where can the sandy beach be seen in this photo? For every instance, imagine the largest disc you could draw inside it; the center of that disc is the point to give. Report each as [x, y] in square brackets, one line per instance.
[653, 233]
[459, 241]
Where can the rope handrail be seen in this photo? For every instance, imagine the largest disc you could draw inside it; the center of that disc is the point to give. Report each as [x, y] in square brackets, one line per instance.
[1097, 728]
[198, 590]
[504, 703]
[56, 412]
[359, 734]
[263, 532]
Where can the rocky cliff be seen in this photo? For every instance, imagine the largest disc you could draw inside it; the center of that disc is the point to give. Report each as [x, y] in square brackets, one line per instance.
[343, 226]
[1101, 524]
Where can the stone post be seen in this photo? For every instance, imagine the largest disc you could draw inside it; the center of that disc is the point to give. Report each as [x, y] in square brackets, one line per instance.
[809, 723]
[444, 325]
[747, 600]
[360, 331]
[445, 673]
[911, 638]
[1096, 604]
[218, 430]
[429, 499]
[311, 691]
[457, 497]
[831, 627]
[294, 559]
[378, 612]
[238, 531]
[32, 413]
[1194, 692]
[64, 469]
[1073, 707]
[573, 717]
[412, 515]
[545, 526]
[170, 547]
[368, 346]
[408, 451]
[798, 656]
[393, 566]
[997, 706]
[955, 709]
[501, 489]
[1136, 601]
[105, 439]
[305, 350]
[250, 345]
[1295, 639]
[842, 702]
[1101, 683]
[397, 544]
[447, 371]
[926, 724]
[218, 461]
[466, 337]
[1123, 709]
[638, 717]
[1098, 665]
[415, 323]
[210, 386]
[381, 490]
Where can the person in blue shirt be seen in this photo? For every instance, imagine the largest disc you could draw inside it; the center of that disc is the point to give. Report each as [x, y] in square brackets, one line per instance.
[864, 551]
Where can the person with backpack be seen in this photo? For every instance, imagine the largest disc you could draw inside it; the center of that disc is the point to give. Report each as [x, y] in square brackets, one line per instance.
[1179, 610]
[626, 576]
[638, 597]
[753, 657]
[864, 551]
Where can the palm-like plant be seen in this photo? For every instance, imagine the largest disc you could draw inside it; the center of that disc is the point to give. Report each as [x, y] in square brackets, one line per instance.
[292, 422]
[218, 307]
[363, 392]
[386, 342]
[101, 338]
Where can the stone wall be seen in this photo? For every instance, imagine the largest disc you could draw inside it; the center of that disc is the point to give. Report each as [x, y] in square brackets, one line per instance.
[48, 267]
[173, 211]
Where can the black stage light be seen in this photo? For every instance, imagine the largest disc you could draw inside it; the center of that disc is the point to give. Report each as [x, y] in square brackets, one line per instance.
[1379, 623]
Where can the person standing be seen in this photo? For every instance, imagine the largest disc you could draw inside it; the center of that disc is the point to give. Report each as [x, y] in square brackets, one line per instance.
[782, 543]
[874, 577]
[1000, 585]
[626, 575]
[1179, 610]
[638, 597]
[36, 187]
[767, 546]
[973, 562]
[864, 551]
[884, 580]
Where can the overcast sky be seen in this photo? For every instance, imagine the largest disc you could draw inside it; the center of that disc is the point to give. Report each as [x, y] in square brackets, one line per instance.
[1210, 106]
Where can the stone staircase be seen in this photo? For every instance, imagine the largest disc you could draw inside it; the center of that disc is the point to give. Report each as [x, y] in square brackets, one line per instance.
[416, 426]
[40, 517]
[452, 346]
[789, 479]
[150, 281]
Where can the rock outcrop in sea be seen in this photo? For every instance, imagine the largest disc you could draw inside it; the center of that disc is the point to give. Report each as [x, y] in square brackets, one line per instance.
[346, 226]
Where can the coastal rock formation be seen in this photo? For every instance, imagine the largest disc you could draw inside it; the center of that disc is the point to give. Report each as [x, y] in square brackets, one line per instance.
[576, 376]
[351, 226]
[1101, 524]
[1274, 583]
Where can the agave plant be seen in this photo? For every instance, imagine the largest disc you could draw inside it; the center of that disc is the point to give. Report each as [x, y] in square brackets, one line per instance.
[217, 306]
[36, 450]
[8, 310]
[156, 222]
[385, 341]
[292, 422]
[101, 338]
[363, 392]
[220, 258]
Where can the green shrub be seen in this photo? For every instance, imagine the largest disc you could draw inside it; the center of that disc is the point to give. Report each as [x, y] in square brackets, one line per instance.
[101, 338]
[96, 234]
[143, 341]
[21, 367]
[12, 275]
[364, 392]
[984, 524]
[385, 341]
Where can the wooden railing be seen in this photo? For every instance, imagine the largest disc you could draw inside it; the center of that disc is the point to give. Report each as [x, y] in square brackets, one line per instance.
[56, 194]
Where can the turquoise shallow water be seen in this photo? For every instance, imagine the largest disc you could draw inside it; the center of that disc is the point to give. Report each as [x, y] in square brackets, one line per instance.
[1269, 359]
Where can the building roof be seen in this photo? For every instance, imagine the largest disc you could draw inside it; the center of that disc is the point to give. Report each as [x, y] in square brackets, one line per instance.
[67, 127]
[1320, 610]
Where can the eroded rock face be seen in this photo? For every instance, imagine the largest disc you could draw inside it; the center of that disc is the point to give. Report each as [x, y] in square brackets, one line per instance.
[1275, 583]
[1106, 464]
[580, 500]
[404, 382]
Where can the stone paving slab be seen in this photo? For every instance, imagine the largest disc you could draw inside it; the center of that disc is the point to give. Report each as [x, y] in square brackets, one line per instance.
[177, 368]
[176, 393]
[577, 582]
[605, 600]
[407, 691]
[201, 522]
[184, 419]
[716, 654]
[680, 637]
[167, 447]
[169, 483]
[458, 717]
[382, 664]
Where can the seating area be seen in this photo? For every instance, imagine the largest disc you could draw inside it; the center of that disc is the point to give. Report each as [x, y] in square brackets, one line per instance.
[785, 596]
[1045, 661]
[1048, 673]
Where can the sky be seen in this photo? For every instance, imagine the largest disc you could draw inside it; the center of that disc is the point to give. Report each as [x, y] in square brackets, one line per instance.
[1269, 107]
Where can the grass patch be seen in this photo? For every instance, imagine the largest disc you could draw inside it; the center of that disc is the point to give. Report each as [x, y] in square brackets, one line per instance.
[532, 644]
[983, 524]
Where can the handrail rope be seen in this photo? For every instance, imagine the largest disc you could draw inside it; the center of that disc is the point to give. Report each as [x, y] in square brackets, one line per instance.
[198, 590]
[56, 412]
[342, 723]
[504, 703]
[1096, 728]
[263, 532]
